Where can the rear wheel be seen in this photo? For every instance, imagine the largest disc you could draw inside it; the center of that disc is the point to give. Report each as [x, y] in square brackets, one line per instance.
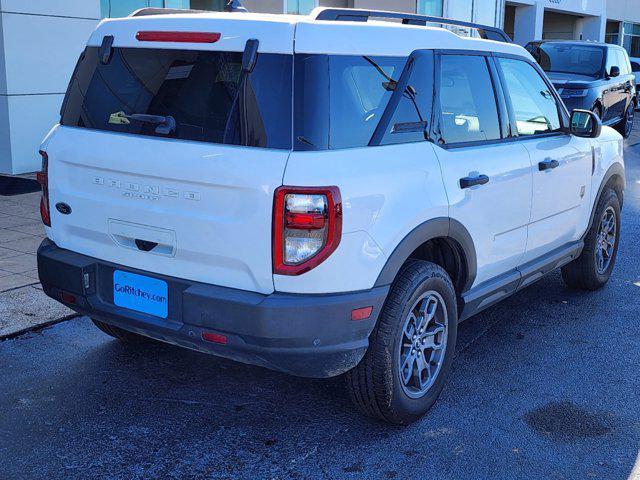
[411, 348]
[625, 126]
[592, 269]
[119, 333]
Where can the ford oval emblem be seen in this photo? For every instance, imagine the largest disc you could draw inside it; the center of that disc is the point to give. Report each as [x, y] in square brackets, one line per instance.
[63, 208]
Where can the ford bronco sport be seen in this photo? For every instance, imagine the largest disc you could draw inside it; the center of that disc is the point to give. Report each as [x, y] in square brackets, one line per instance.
[318, 195]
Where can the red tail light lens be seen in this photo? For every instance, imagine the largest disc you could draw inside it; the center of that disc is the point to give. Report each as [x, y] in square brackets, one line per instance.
[43, 179]
[179, 37]
[307, 227]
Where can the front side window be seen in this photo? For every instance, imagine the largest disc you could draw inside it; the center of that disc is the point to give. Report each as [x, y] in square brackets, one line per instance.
[183, 94]
[534, 106]
[469, 111]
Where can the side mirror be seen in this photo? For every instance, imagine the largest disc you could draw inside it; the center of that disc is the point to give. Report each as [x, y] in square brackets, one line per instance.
[586, 124]
[615, 72]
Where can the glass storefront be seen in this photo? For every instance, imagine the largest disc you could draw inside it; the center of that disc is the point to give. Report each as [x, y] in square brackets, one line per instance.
[122, 8]
[631, 39]
[430, 7]
[301, 7]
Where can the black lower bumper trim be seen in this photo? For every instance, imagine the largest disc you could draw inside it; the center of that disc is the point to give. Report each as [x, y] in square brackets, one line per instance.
[304, 335]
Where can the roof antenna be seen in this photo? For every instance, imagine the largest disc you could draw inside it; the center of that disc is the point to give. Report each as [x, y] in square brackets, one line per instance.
[234, 6]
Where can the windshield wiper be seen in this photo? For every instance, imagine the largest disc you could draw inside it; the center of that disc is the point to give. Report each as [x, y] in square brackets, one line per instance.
[249, 60]
[166, 124]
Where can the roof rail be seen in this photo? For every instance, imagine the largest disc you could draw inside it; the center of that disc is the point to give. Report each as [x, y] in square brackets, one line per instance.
[230, 6]
[357, 15]
[144, 12]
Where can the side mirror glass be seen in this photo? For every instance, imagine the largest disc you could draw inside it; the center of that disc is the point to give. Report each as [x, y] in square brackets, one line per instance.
[586, 124]
[615, 72]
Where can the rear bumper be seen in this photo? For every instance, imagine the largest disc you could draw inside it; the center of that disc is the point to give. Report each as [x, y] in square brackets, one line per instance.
[303, 335]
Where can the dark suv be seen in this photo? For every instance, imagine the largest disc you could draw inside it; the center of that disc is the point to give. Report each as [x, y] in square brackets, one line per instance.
[591, 76]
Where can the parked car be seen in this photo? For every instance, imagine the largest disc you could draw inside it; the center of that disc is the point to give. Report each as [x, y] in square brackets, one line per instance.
[635, 68]
[318, 195]
[592, 76]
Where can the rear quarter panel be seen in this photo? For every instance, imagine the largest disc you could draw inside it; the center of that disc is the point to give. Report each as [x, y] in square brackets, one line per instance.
[386, 192]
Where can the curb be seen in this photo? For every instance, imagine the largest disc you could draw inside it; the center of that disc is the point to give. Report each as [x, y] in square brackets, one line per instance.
[37, 328]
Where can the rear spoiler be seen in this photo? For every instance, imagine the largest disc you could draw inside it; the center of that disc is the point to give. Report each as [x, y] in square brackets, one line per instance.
[356, 15]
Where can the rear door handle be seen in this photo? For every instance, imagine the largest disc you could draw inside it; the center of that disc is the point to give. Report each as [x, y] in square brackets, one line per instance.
[467, 182]
[548, 165]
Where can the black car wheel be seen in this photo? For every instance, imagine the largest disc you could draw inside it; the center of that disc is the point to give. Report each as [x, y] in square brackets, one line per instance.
[411, 348]
[625, 126]
[592, 269]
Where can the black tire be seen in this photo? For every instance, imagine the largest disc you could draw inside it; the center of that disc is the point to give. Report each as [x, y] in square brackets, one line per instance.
[625, 126]
[583, 272]
[375, 386]
[120, 334]
[597, 109]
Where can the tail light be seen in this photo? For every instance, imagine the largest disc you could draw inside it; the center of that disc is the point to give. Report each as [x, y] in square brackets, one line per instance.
[307, 227]
[43, 179]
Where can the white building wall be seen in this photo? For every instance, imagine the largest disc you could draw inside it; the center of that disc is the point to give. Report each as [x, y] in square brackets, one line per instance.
[40, 41]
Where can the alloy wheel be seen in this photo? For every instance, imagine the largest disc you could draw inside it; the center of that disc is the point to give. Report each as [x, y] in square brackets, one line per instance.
[606, 240]
[423, 344]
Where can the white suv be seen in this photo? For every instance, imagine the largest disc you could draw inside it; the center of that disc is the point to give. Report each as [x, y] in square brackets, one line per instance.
[318, 195]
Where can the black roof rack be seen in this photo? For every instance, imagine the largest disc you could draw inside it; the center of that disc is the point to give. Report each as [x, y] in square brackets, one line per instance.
[143, 12]
[230, 6]
[356, 15]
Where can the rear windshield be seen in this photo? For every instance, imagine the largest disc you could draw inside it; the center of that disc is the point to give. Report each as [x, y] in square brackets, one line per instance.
[567, 58]
[183, 94]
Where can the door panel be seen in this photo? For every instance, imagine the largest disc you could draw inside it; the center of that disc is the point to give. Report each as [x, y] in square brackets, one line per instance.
[560, 195]
[488, 181]
[496, 214]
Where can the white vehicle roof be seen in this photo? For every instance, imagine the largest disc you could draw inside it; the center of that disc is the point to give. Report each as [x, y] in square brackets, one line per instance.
[289, 34]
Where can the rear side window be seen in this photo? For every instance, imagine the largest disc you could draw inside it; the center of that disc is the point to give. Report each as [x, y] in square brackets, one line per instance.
[469, 111]
[534, 106]
[360, 89]
[200, 91]
[635, 67]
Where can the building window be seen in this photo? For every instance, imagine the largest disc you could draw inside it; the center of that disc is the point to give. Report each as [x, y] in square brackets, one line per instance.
[123, 8]
[301, 7]
[631, 40]
[430, 7]
[612, 34]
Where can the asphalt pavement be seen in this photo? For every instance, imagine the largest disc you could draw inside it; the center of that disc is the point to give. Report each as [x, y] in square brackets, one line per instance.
[544, 385]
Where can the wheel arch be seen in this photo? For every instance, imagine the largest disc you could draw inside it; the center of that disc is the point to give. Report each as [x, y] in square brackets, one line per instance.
[439, 233]
[614, 179]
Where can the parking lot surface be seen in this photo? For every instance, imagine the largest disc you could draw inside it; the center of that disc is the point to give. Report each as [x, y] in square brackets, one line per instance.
[545, 385]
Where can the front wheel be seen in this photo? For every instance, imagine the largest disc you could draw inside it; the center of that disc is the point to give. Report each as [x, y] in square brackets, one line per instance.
[411, 348]
[592, 269]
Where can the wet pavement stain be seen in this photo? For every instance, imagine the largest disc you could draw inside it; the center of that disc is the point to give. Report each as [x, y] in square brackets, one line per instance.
[565, 422]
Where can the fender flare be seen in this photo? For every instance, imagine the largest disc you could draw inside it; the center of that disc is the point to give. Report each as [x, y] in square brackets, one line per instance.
[441, 227]
[615, 169]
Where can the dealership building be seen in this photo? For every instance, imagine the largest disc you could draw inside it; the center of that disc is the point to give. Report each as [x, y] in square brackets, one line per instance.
[40, 41]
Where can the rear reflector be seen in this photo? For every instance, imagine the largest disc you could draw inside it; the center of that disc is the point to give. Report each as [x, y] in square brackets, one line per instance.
[214, 338]
[361, 313]
[68, 298]
[183, 37]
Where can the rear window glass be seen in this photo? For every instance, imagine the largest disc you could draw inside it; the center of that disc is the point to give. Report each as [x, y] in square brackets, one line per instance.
[202, 93]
